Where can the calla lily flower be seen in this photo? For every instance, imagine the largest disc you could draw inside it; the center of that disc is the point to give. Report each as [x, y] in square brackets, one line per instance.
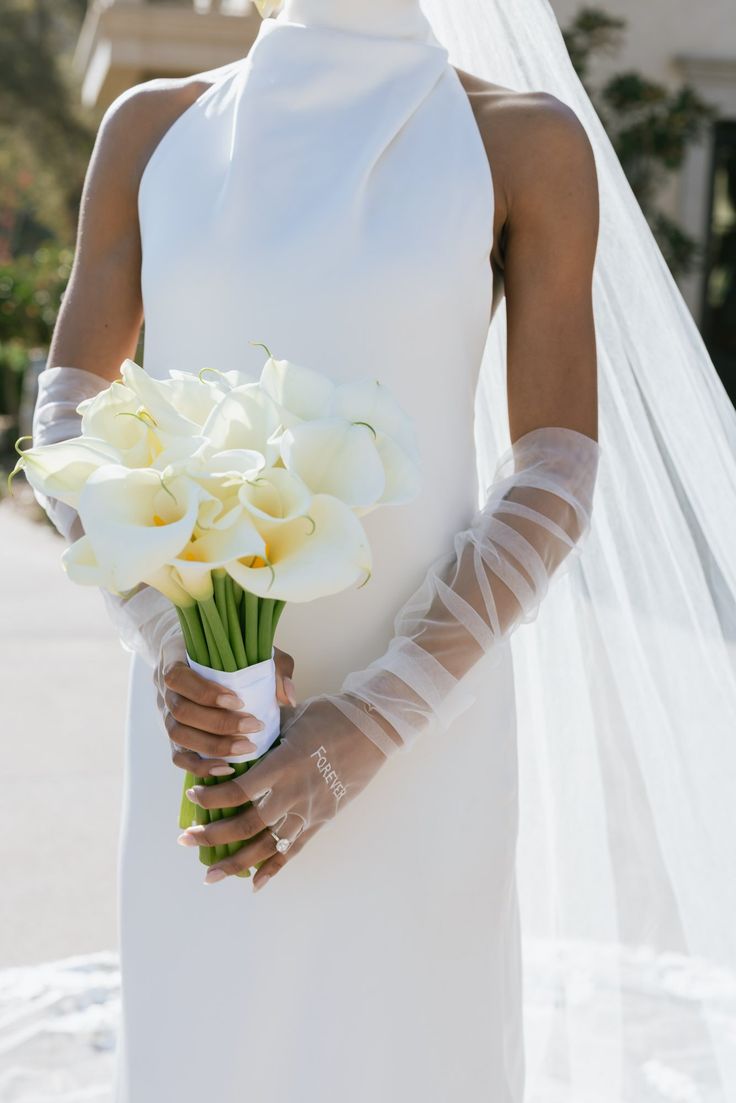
[309, 557]
[195, 396]
[335, 456]
[368, 400]
[275, 496]
[300, 393]
[182, 455]
[136, 520]
[116, 416]
[222, 474]
[403, 474]
[223, 380]
[235, 464]
[244, 419]
[156, 396]
[267, 8]
[80, 563]
[166, 583]
[61, 470]
[215, 547]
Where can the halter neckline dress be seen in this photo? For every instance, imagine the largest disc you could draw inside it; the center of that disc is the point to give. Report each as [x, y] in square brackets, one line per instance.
[329, 195]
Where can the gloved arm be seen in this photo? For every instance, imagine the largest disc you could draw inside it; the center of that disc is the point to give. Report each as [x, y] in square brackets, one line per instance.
[145, 620]
[536, 514]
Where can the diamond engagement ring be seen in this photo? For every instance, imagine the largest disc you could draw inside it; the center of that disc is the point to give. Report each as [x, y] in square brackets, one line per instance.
[282, 845]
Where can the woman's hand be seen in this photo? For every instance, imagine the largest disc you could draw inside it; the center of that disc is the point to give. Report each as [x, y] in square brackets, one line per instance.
[323, 761]
[202, 718]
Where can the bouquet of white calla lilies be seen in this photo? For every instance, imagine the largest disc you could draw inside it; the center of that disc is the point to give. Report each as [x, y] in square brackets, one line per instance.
[231, 496]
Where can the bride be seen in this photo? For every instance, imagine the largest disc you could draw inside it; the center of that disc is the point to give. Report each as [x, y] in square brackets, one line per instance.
[347, 196]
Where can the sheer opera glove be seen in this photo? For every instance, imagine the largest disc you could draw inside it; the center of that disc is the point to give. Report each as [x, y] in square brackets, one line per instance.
[536, 514]
[144, 619]
[535, 517]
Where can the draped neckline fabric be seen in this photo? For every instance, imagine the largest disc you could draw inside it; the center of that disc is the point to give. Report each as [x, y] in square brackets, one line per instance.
[329, 194]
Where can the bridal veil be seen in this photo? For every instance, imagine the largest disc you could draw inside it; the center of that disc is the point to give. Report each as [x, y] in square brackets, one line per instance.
[625, 682]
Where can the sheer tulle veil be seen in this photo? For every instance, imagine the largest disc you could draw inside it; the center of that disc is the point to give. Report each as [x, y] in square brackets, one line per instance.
[625, 684]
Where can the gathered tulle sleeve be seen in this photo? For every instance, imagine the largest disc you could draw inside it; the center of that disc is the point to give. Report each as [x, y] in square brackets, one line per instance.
[144, 619]
[535, 517]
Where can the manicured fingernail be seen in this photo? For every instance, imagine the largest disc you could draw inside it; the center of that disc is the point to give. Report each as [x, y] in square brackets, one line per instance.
[261, 882]
[250, 724]
[229, 701]
[242, 746]
[222, 771]
[187, 840]
[195, 793]
[290, 691]
[214, 875]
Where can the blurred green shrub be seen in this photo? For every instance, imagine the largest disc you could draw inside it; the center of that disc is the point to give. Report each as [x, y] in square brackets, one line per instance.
[31, 290]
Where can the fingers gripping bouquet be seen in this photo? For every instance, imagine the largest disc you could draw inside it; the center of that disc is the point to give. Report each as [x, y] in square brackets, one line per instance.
[230, 496]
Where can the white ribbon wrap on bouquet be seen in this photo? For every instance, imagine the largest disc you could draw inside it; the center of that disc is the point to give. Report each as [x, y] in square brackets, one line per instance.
[255, 685]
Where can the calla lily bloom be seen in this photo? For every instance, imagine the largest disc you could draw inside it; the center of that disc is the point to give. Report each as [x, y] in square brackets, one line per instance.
[181, 455]
[166, 583]
[403, 474]
[223, 380]
[267, 8]
[309, 557]
[116, 416]
[275, 495]
[212, 548]
[158, 396]
[222, 474]
[80, 563]
[335, 456]
[301, 394]
[136, 520]
[235, 464]
[370, 401]
[61, 470]
[245, 418]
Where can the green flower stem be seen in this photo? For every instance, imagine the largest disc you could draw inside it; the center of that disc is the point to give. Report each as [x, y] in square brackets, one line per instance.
[240, 768]
[185, 631]
[218, 582]
[214, 659]
[187, 810]
[210, 615]
[206, 853]
[278, 608]
[265, 630]
[199, 650]
[250, 617]
[237, 591]
[219, 851]
[233, 626]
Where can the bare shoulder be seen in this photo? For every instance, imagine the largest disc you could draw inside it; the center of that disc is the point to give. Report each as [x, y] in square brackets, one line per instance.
[134, 123]
[536, 145]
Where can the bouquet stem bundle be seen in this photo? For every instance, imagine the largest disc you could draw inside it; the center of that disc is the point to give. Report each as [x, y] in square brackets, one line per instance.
[227, 631]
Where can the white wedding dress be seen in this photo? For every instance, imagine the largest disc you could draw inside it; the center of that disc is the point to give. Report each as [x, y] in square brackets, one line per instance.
[329, 195]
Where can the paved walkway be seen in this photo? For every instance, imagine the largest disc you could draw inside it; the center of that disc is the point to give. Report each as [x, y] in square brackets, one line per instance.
[63, 686]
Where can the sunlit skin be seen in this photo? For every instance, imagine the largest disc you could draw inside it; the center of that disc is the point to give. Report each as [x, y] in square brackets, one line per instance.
[544, 242]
